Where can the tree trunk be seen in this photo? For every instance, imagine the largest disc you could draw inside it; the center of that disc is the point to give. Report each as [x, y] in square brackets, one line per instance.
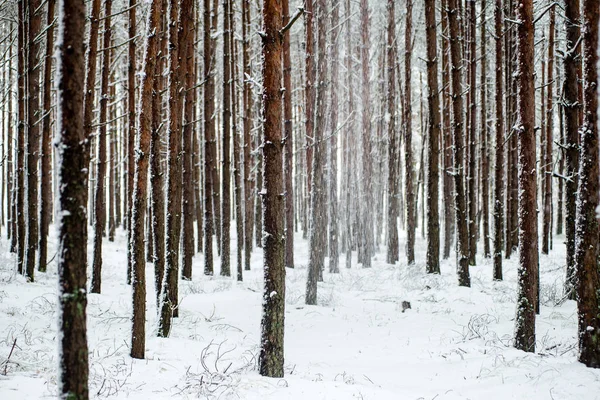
[547, 164]
[72, 298]
[237, 161]
[209, 157]
[318, 193]
[273, 310]
[586, 250]
[309, 92]
[366, 216]
[247, 115]
[349, 138]
[485, 157]
[188, 132]
[225, 149]
[433, 138]
[131, 128]
[99, 201]
[409, 180]
[139, 194]
[178, 39]
[288, 142]
[528, 231]
[471, 132]
[33, 132]
[46, 154]
[571, 109]
[392, 210]
[500, 143]
[462, 246]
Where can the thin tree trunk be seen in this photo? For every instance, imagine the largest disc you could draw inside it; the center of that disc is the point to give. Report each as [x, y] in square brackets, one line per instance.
[209, 157]
[73, 361]
[349, 139]
[500, 143]
[237, 161]
[571, 109]
[309, 93]
[547, 177]
[392, 210]
[10, 231]
[408, 152]
[99, 201]
[247, 115]
[273, 310]
[586, 248]
[226, 150]
[462, 246]
[20, 188]
[528, 230]
[179, 32]
[46, 154]
[485, 157]
[112, 145]
[288, 142]
[131, 128]
[34, 113]
[433, 137]
[188, 132]
[471, 132]
[334, 244]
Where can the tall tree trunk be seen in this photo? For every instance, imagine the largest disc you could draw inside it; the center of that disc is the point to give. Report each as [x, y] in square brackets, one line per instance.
[318, 193]
[226, 150]
[392, 210]
[549, 130]
[99, 201]
[209, 157]
[309, 93]
[571, 109]
[485, 157]
[33, 132]
[10, 176]
[178, 35]
[561, 159]
[157, 192]
[139, 194]
[131, 128]
[462, 246]
[237, 161]
[471, 132]
[349, 137]
[273, 309]
[247, 115]
[528, 230]
[586, 248]
[90, 94]
[188, 131]
[366, 222]
[447, 136]
[72, 298]
[20, 182]
[112, 168]
[288, 142]
[433, 138]
[46, 154]
[500, 143]
[408, 151]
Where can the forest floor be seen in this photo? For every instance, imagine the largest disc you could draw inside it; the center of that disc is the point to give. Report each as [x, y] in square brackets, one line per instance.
[454, 343]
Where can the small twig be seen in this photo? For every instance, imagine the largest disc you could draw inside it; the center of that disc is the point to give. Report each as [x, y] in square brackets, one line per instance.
[8, 359]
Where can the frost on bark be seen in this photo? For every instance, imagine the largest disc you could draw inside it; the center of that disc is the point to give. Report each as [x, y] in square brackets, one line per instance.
[586, 249]
[20, 181]
[471, 129]
[247, 126]
[34, 113]
[528, 230]
[365, 235]
[131, 128]
[411, 223]
[433, 146]
[46, 149]
[99, 201]
[484, 156]
[462, 245]
[288, 142]
[71, 148]
[271, 355]
[571, 108]
[139, 195]
[318, 192]
[225, 147]
[393, 189]
[499, 166]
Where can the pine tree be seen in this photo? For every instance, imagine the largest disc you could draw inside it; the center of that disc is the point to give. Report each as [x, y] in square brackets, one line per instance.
[408, 151]
[271, 355]
[499, 166]
[72, 297]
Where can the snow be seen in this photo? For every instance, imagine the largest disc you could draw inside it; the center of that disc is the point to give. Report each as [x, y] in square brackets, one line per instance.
[455, 343]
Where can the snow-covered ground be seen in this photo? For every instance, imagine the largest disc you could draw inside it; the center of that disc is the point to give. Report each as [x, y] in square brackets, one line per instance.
[455, 343]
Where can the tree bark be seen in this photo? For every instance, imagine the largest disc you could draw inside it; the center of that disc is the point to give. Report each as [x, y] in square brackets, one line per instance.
[500, 143]
[528, 230]
[139, 195]
[586, 248]
[485, 156]
[271, 355]
[225, 147]
[131, 128]
[209, 157]
[46, 154]
[99, 201]
[462, 246]
[72, 297]
[288, 142]
[20, 183]
[247, 126]
[471, 131]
